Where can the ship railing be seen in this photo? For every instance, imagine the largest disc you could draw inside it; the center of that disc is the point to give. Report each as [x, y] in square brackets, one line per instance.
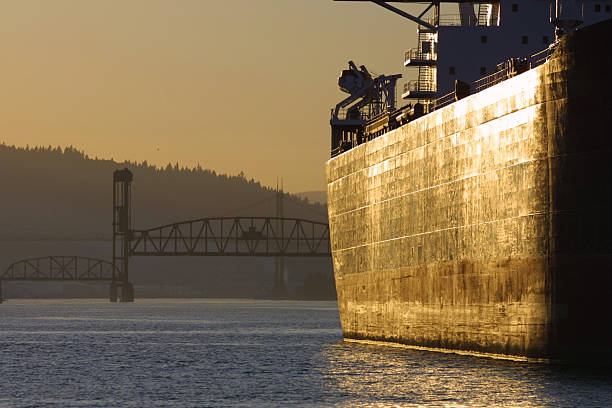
[454, 20]
[504, 72]
[535, 60]
[541, 57]
[336, 151]
[416, 54]
[343, 114]
[445, 100]
[490, 80]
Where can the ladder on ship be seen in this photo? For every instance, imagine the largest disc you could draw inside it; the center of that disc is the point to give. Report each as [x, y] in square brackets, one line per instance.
[427, 74]
[483, 12]
[487, 14]
[427, 79]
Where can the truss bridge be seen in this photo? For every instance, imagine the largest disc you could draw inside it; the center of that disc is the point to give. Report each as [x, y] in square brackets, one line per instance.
[60, 268]
[217, 236]
[234, 236]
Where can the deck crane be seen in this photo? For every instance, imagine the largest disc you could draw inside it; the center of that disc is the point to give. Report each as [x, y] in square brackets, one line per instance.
[370, 97]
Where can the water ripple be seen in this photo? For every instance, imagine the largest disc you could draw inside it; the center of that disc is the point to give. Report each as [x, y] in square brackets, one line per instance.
[249, 354]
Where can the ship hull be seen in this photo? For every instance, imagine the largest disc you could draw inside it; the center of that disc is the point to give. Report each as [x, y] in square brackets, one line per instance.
[485, 226]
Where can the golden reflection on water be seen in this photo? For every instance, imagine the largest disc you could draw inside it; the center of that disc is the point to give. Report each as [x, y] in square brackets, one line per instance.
[409, 378]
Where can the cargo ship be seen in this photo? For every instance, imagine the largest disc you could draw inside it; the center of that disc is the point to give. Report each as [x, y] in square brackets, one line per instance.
[477, 218]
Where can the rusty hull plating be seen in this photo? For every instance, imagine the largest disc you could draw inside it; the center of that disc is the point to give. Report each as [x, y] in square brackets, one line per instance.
[485, 226]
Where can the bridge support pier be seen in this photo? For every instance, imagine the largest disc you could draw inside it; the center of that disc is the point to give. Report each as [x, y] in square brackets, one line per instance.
[279, 291]
[113, 291]
[126, 294]
[122, 234]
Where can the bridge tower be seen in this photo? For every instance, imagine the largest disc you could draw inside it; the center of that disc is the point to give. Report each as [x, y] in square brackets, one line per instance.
[122, 231]
[279, 289]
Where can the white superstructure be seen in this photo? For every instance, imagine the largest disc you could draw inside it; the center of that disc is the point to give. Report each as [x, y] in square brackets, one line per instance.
[469, 39]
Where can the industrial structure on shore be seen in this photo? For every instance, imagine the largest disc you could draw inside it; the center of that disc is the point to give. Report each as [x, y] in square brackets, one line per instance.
[476, 217]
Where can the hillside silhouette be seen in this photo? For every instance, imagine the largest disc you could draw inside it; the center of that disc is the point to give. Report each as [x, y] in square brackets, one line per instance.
[55, 193]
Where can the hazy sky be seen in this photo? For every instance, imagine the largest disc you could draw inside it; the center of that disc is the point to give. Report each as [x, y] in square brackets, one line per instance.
[236, 86]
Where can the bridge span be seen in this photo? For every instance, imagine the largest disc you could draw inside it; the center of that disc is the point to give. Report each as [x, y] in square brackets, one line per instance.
[63, 268]
[234, 236]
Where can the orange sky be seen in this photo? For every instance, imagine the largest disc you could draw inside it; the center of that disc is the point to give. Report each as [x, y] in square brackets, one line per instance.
[236, 86]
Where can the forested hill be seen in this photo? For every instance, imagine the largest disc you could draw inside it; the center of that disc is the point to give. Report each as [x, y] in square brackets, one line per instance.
[55, 193]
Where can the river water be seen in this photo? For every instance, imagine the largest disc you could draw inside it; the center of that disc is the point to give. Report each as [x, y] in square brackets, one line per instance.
[233, 353]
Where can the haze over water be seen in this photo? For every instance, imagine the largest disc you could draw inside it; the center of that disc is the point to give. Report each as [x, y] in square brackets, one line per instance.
[217, 353]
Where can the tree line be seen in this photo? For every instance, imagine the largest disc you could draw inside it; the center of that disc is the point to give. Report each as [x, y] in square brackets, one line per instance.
[62, 193]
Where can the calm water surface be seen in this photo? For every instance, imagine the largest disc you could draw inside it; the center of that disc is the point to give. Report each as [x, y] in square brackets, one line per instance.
[218, 353]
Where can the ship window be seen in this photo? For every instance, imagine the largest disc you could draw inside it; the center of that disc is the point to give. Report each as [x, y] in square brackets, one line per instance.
[451, 70]
[483, 39]
[483, 70]
[515, 7]
[608, 8]
[525, 40]
[597, 8]
[545, 39]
